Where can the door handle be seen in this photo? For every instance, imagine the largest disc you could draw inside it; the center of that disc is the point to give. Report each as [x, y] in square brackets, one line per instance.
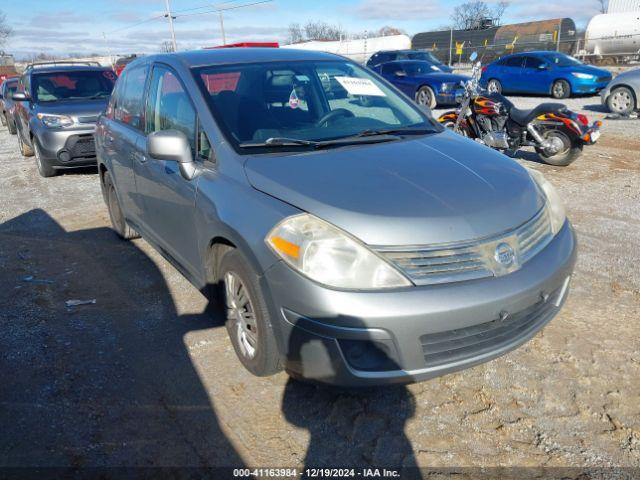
[139, 157]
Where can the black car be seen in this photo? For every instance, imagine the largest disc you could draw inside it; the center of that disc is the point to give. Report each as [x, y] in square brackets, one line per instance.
[385, 56]
[56, 109]
[7, 89]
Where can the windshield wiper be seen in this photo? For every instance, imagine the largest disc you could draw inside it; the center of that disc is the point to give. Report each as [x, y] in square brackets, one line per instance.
[281, 142]
[297, 142]
[394, 131]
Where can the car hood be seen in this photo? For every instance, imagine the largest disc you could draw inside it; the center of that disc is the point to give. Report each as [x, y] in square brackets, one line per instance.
[436, 189]
[598, 72]
[629, 75]
[85, 110]
[443, 77]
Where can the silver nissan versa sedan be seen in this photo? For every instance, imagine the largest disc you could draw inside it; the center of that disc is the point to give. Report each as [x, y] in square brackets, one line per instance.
[349, 242]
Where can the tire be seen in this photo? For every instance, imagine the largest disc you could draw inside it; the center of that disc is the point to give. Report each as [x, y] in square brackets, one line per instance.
[426, 97]
[248, 322]
[118, 221]
[568, 155]
[494, 86]
[561, 89]
[44, 169]
[25, 149]
[11, 125]
[621, 100]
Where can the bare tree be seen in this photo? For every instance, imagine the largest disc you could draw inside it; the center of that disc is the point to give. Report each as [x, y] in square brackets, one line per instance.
[387, 31]
[603, 6]
[470, 15]
[295, 33]
[5, 29]
[315, 30]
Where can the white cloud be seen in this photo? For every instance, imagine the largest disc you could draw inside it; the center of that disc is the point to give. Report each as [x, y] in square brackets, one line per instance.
[397, 10]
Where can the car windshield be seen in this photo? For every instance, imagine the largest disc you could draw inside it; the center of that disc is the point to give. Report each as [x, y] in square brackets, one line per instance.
[562, 60]
[307, 101]
[428, 56]
[415, 68]
[10, 88]
[77, 85]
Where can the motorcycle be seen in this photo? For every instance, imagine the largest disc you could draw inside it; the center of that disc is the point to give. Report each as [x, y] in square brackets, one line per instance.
[557, 134]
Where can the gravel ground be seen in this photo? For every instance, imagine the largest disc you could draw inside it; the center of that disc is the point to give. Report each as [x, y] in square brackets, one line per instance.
[147, 377]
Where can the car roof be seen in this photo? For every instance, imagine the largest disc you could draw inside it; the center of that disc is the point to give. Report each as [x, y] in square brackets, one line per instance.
[227, 56]
[65, 68]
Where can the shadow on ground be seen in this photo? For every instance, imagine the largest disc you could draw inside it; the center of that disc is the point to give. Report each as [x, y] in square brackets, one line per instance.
[108, 384]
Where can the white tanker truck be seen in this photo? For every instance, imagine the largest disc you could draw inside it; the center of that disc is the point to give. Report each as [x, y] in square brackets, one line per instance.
[612, 38]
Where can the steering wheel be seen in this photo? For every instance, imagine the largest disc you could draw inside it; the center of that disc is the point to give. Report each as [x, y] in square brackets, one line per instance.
[338, 112]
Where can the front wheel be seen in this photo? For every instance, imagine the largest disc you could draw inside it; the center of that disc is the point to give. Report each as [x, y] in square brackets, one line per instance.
[25, 149]
[426, 97]
[494, 86]
[563, 150]
[621, 100]
[11, 125]
[44, 169]
[248, 321]
[561, 89]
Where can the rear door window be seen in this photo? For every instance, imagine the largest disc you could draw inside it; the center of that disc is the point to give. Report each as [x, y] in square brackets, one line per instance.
[130, 104]
[513, 62]
[532, 62]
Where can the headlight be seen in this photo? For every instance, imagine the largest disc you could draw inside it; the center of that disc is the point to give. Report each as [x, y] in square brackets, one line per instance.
[555, 206]
[53, 121]
[329, 256]
[584, 76]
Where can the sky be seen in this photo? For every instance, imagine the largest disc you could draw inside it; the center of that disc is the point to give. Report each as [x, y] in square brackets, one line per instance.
[61, 27]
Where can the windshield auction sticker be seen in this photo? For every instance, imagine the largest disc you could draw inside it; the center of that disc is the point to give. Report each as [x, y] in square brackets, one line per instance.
[360, 86]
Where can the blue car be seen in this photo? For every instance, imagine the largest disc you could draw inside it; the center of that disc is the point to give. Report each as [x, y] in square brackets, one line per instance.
[424, 82]
[543, 73]
[385, 56]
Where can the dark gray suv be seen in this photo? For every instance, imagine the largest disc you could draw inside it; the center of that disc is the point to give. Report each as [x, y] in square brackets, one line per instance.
[56, 108]
[350, 242]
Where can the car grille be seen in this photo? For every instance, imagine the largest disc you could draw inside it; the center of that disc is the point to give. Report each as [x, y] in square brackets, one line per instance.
[81, 146]
[603, 79]
[88, 119]
[435, 264]
[463, 343]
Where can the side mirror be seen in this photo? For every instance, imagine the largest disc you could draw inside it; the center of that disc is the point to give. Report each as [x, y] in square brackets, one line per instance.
[172, 146]
[400, 73]
[19, 96]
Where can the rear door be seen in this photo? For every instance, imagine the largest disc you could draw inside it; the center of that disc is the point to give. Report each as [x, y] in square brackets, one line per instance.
[511, 73]
[534, 78]
[123, 132]
[169, 198]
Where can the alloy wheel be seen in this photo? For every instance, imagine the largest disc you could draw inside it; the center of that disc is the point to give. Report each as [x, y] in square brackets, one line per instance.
[492, 87]
[424, 98]
[558, 90]
[241, 314]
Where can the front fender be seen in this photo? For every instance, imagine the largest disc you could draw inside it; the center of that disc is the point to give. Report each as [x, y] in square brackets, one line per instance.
[233, 210]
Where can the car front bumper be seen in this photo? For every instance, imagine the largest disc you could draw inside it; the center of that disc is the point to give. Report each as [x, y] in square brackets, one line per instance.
[413, 334]
[449, 98]
[580, 86]
[62, 148]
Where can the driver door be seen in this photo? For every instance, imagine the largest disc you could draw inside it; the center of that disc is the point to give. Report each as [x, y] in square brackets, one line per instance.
[168, 198]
